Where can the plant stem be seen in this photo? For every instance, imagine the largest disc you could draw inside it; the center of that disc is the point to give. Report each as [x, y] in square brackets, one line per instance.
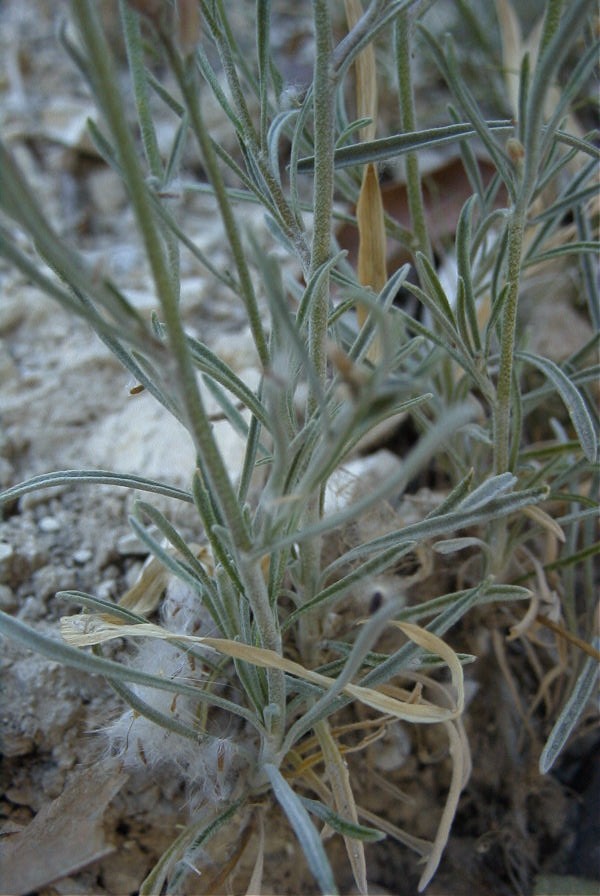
[188, 83]
[198, 422]
[255, 147]
[183, 372]
[324, 128]
[404, 34]
[324, 125]
[250, 571]
[502, 407]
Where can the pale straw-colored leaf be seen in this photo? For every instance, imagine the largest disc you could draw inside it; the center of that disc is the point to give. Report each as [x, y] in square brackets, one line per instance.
[544, 519]
[343, 797]
[187, 25]
[84, 631]
[512, 49]
[144, 595]
[372, 270]
[366, 76]
[372, 262]
[434, 644]
[372, 266]
[461, 766]
[255, 884]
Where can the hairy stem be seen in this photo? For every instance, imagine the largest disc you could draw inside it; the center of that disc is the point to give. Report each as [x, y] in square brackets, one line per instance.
[509, 324]
[404, 38]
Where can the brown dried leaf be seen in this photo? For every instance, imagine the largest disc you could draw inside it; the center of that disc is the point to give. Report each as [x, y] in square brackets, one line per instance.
[66, 835]
[372, 244]
[446, 188]
[343, 796]
[372, 268]
[366, 76]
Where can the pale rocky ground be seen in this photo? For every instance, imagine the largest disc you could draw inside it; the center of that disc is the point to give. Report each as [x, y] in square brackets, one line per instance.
[65, 402]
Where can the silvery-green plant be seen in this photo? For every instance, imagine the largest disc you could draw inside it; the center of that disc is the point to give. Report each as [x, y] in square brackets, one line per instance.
[234, 710]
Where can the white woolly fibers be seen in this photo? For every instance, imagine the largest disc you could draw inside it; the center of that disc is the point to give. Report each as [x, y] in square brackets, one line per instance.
[210, 765]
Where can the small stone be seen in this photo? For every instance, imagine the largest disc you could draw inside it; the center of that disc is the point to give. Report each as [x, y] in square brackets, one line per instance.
[107, 191]
[47, 580]
[8, 599]
[106, 590]
[82, 556]
[6, 560]
[49, 524]
[8, 369]
[12, 313]
[32, 608]
[130, 544]
[10, 827]
[24, 794]
[53, 782]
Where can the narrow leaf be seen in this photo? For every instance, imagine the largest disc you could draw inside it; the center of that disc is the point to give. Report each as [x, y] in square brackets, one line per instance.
[390, 147]
[304, 829]
[74, 658]
[574, 403]
[585, 686]
[341, 825]
[96, 477]
[487, 491]
[82, 631]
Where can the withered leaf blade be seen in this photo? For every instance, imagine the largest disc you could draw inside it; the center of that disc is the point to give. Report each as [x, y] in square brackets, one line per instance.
[372, 246]
[66, 835]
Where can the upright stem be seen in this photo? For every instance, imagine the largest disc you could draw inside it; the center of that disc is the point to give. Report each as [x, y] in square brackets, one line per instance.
[183, 368]
[509, 324]
[250, 571]
[188, 83]
[324, 127]
[404, 34]
[554, 47]
[255, 146]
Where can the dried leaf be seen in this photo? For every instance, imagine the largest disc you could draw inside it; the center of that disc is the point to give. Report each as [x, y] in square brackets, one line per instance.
[429, 641]
[461, 766]
[512, 49]
[372, 244]
[372, 268]
[188, 25]
[144, 595]
[547, 522]
[366, 76]
[255, 882]
[65, 836]
[81, 631]
[446, 188]
[343, 797]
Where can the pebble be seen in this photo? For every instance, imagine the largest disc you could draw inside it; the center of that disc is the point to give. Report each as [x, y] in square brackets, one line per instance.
[106, 190]
[8, 599]
[130, 544]
[25, 794]
[6, 560]
[106, 590]
[83, 555]
[49, 524]
[32, 608]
